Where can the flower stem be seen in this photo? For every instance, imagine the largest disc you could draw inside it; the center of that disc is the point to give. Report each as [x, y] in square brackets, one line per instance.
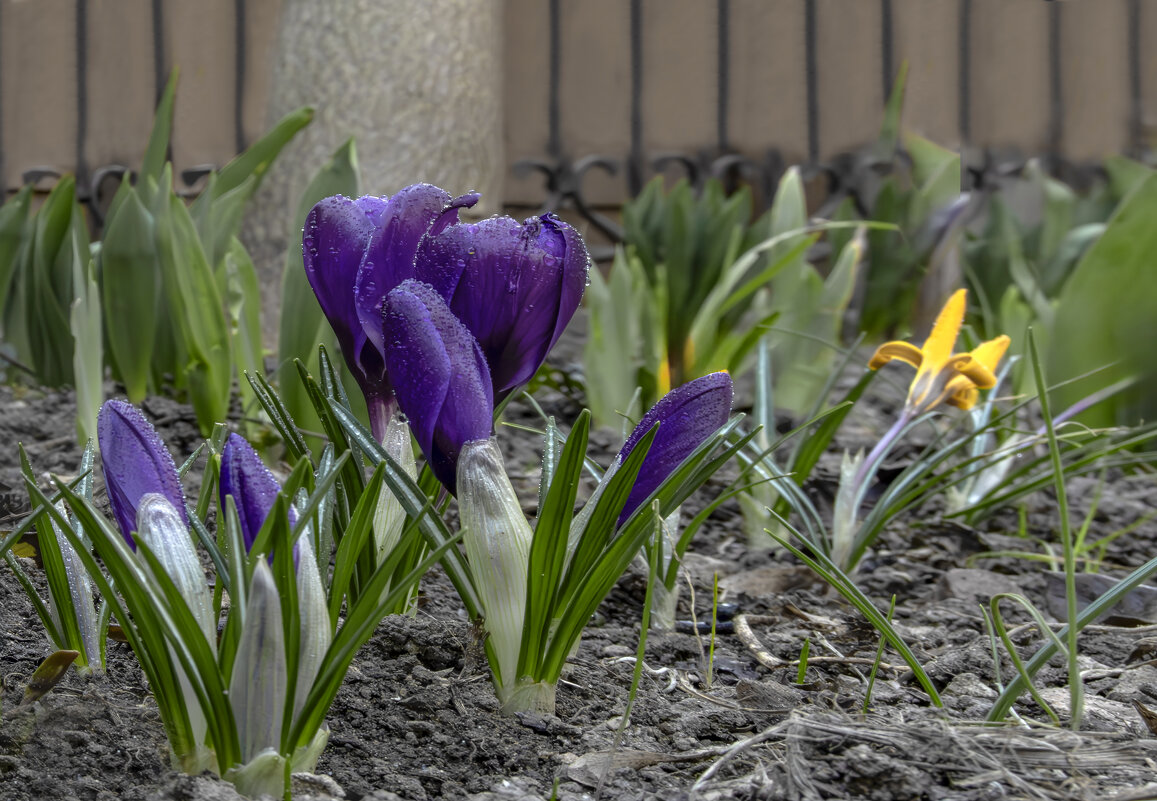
[868, 468]
[381, 408]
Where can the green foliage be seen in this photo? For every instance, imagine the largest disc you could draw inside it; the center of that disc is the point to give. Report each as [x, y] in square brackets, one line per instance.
[1079, 266]
[698, 285]
[171, 292]
[71, 619]
[251, 706]
[914, 199]
[41, 288]
[1105, 313]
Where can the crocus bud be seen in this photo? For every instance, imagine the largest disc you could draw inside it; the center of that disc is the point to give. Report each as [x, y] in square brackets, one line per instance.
[253, 487]
[439, 373]
[497, 540]
[316, 634]
[687, 416]
[514, 285]
[135, 462]
[163, 531]
[260, 679]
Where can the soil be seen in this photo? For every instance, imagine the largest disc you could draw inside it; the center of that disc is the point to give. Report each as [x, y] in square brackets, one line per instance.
[417, 717]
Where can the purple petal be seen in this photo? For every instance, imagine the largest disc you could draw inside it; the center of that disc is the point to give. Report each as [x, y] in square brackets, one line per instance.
[439, 374]
[336, 233]
[389, 255]
[135, 462]
[515, 286]
[248, 480]
[687, 416]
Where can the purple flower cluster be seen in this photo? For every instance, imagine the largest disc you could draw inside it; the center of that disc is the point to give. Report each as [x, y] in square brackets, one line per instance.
[444, 319]
[514, 286]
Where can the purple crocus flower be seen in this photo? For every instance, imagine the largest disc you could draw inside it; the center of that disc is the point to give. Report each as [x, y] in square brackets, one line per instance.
[253, 487]
[439, 374]
[135, 463]
[354, 253]
[687, 416]
[515, 286]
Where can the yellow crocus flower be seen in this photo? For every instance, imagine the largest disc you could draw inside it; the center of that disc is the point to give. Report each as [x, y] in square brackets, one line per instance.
[941, 375]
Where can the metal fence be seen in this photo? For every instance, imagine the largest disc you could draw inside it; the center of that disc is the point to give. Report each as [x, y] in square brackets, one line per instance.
[748, 86]
[79, 80]
[602, 94]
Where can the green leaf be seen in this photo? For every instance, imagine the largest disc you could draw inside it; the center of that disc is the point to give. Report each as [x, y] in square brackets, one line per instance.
[611, 353]
[548, 549]
[937, 173]
[220, 221]
[257, 158]
[13, 218]
[129, 287]
[890, 129]
[47, 288]
[243, 304]
[1125, 175]
[807, 337]
[88, 355]
[196, 307]
[153, 162]
[1106, 308]
[353, 539]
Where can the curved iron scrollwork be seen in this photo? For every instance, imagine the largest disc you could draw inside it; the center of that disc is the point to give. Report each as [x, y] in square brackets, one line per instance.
[564, 181]
[97, 191]
[856, 175]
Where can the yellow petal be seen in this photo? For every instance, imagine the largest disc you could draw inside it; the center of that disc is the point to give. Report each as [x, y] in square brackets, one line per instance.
[970, 368]
[991, 352]
[963, 396]
[902, 351]
[938, 347]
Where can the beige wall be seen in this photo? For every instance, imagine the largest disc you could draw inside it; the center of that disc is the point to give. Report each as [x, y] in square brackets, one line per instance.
[1009, 78]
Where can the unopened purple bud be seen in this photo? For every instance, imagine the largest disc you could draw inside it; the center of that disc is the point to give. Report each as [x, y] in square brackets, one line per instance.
[687, 416]
[135, 463]
[440, 376]
[253, 487]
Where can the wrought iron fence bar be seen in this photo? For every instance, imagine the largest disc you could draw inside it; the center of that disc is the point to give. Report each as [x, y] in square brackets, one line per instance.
[723, 84]
[159, 48]
[81, 89]
[553, 113]
[1056, 80]
[887, 48]
[964, 86]
[1136, 119]
[812, 77]
[240, 67]
[635, 161]
[3, 163]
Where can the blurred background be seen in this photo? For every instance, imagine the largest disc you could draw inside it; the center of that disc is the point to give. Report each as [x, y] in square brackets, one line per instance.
[1027, 107]
[643, 85]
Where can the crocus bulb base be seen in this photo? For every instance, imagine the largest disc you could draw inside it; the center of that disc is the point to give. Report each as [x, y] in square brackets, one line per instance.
[529, 696]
